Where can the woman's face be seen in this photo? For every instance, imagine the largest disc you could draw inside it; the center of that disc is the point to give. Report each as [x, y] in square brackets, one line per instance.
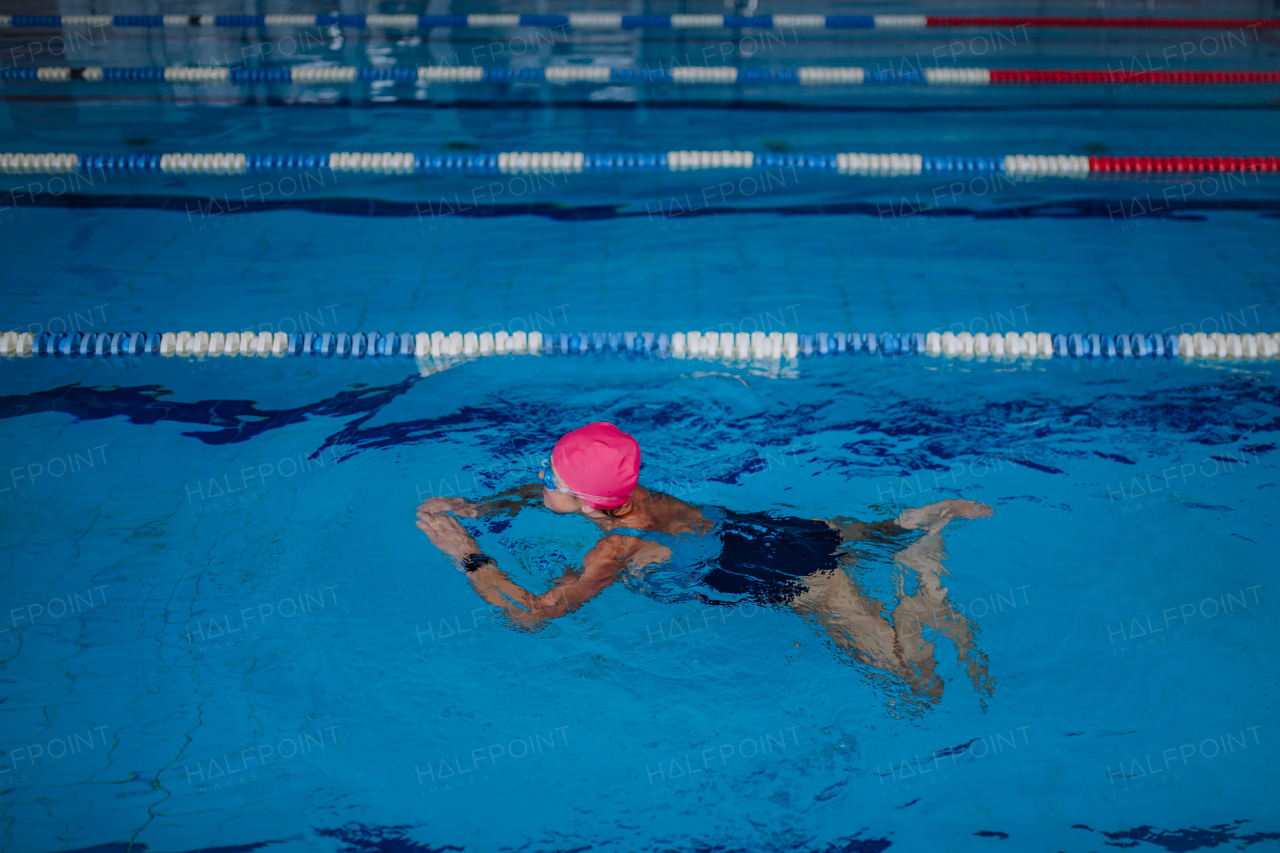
[561, 502]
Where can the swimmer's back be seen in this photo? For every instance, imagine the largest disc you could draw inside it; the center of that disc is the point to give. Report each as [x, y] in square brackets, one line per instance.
[660, 513]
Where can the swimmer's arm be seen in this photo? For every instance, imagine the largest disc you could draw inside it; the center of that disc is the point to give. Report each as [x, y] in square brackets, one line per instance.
[448, 534]
[599, 568]
[509, 502]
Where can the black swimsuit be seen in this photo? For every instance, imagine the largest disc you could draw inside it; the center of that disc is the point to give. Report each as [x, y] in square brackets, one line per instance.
[746, 556]
[765, 558]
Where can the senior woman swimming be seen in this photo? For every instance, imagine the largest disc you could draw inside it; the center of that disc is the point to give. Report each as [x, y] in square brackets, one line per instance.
[723, 556]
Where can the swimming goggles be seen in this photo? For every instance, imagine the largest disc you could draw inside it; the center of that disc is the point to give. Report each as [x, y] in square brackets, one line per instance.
[548, 479]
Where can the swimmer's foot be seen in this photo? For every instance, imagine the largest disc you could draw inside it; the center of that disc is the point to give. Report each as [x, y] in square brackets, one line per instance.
[928, 686]
[970, 509]
[917, 695]
[934, 517]
[924, 681]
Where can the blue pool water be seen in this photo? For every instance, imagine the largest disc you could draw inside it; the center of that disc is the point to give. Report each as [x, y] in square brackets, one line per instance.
[276, 656]
[222, 631]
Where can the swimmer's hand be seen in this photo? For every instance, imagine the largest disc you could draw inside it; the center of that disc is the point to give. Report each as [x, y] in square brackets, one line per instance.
[508, 503]
[447, 534]
[457, 506]
[934, 517]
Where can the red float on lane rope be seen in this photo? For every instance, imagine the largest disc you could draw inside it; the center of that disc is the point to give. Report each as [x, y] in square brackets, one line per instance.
[1133, 23]
[1092, 76]
[1183, 164]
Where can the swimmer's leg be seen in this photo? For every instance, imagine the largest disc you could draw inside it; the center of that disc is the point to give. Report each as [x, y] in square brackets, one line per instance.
[849, 618]
[930, 606]
[931, 518]
[852, 530]
[907, 657]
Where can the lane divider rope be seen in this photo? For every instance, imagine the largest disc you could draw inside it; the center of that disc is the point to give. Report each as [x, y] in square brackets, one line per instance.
[740, 346]
[315, 75]
[523, 162]
[616, 21]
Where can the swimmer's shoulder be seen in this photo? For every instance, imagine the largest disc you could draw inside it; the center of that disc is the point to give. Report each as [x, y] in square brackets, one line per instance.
[683, 518]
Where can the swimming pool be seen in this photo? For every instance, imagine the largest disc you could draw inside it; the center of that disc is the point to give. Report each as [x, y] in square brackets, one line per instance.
[222, 630]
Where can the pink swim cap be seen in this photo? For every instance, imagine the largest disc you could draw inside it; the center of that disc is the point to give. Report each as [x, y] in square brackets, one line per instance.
[600, 463]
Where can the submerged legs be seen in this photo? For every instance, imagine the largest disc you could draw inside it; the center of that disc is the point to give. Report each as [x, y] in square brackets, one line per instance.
[896, 645]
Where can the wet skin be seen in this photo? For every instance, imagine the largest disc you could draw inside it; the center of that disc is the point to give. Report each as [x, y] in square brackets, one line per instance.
[893, 647]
